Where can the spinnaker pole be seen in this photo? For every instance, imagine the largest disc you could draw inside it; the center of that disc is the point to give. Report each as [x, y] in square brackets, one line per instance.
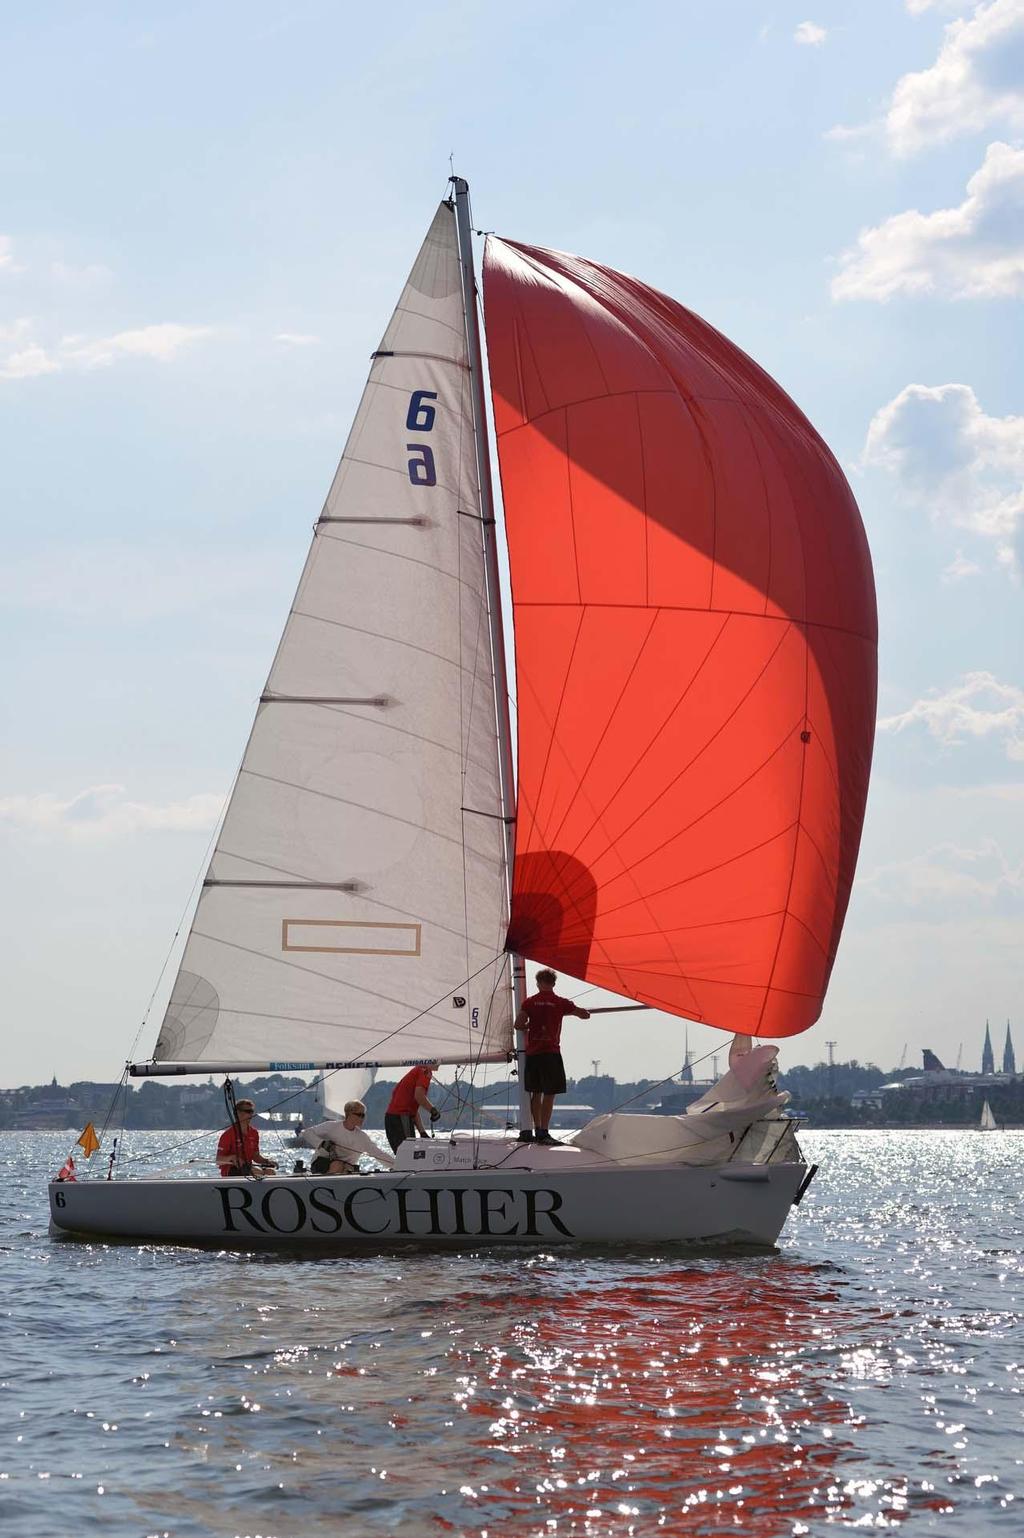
[506, 769]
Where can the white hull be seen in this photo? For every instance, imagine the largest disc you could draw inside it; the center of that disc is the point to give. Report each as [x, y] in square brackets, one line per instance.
[543, 1204]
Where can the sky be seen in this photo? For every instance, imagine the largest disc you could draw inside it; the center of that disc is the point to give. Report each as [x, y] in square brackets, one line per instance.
[206, 215]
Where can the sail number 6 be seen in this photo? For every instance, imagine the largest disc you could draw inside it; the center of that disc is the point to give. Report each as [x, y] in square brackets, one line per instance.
[420, 419]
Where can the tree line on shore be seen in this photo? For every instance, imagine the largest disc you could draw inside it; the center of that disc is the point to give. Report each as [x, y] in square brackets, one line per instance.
[824, 1092]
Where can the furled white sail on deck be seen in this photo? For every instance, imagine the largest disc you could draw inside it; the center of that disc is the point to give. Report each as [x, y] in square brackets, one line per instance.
[355, 905]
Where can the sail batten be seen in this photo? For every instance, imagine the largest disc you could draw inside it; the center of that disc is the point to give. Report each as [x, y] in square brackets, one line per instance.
[345, 842]
[695, 651]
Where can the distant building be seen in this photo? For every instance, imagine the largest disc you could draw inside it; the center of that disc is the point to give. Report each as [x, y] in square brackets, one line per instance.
[1009, 1056]
[988, 1061]
[937, 1082]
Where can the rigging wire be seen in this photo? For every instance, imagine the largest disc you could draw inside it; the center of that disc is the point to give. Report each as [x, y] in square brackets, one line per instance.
[669, 1079]
[477, 1062]
[145, 1158]
[121, 1088]
[326, 1074]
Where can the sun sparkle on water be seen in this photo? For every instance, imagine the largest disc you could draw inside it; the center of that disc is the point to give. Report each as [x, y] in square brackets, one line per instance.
[867, 1375]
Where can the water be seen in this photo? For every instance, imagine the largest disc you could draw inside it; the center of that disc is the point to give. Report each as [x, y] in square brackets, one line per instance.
[867, 1374]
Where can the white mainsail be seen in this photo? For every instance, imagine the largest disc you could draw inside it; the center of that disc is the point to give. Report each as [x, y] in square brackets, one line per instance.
[355, 906]
[988, 1122]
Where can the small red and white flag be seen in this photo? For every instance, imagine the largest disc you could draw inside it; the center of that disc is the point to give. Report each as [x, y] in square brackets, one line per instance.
[67, 1170]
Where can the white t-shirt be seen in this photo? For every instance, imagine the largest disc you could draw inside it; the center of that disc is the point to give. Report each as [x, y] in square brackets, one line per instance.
[351, 1142]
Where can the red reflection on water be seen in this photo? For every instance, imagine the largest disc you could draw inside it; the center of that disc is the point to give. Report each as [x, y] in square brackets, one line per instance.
[693, 1399]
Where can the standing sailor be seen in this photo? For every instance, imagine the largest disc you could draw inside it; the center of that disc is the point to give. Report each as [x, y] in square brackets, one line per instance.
[403, 1117]
[541, 1018]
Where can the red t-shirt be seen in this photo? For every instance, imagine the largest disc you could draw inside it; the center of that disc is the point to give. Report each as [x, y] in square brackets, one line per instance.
[403, 1101]
[229, 1142]
[544, 1015]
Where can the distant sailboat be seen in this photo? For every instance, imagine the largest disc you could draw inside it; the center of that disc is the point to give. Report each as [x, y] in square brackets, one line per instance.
[347, 1084]
[695, 639]
[988, 1122]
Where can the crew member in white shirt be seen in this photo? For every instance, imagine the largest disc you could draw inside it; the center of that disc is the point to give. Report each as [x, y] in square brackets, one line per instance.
[340, 1151]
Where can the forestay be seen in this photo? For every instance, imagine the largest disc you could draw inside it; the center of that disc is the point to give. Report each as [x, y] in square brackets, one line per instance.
[355, 905]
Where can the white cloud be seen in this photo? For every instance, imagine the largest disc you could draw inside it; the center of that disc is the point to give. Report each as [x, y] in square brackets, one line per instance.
[296, 339]
[977, 79]
[19, 330]
[966, 467]
[28, 364]
[973, 251]
[808, 32]
[978, 706]
[22, 357]
[947, 873]
[90, 276]
[843, 133]
[103, 811]
[163, 343]
[995, 790]
[959, 568]
[7, 262]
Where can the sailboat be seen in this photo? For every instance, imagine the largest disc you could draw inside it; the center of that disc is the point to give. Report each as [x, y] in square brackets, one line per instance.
[987, 1123]
[695, 661]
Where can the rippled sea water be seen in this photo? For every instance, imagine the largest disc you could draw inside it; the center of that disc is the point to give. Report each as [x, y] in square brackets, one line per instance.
[867, 1374]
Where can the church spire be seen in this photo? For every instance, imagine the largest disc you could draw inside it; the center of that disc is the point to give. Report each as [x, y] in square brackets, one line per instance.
[988, 1061]
[1009, 1056]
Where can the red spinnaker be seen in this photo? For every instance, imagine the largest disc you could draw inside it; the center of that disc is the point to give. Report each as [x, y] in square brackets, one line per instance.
[695, 636]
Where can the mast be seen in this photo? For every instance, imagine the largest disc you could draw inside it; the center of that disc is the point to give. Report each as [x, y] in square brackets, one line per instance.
[493, 583]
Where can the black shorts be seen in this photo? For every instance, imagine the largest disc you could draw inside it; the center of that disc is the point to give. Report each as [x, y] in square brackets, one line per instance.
[544, 1073]
[397, 1127]
[322, 1164]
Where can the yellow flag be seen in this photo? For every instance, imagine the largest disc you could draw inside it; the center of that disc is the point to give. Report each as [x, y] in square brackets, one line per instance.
[89, 1141]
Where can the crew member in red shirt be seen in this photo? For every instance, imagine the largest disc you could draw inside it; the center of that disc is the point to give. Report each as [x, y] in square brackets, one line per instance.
[541, 1019]
[236, 1156]
[403, 1117]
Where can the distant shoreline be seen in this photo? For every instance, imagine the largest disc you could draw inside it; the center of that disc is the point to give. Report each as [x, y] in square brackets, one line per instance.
[802, 1127]
[906, 1126]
